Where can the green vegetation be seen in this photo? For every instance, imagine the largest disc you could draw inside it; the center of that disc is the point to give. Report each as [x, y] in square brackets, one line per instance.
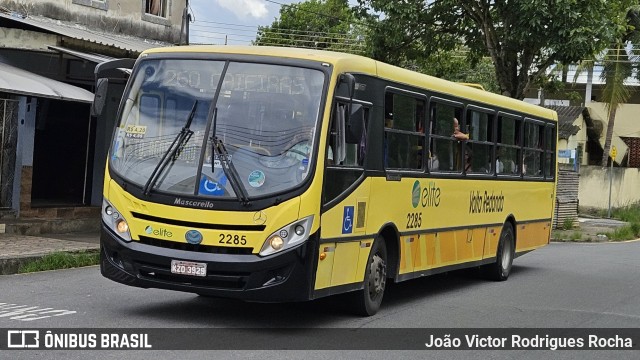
[630, 213]
[315, 24]
[567, 224]
[627, 232]
[523, 39]
[631, 231]
[576, 236]
[61, 260]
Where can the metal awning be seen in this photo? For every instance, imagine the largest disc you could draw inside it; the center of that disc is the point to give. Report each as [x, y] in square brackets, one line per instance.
[75, 31]
[96, 58]
[17, 81]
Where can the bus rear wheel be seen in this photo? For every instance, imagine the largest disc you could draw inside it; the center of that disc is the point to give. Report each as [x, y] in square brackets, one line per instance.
[367, 301]
[501, 268]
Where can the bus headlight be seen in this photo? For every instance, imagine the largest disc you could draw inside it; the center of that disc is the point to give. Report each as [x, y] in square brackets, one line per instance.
[114, 221]
[288, 236]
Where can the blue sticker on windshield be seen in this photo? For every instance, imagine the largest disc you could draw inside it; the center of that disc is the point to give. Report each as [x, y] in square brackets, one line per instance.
[347, 220]
[256, 178]
[210, 187]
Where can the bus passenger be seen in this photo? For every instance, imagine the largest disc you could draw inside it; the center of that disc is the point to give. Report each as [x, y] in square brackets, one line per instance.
[457, 134]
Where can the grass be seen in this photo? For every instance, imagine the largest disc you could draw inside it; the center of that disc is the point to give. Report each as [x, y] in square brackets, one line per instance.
[627, 232]
[61, 260]
[567, 224]
[576, 236]
[629, 213]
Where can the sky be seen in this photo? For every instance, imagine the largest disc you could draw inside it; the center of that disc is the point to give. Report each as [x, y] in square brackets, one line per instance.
[232, 21]
[235, 21]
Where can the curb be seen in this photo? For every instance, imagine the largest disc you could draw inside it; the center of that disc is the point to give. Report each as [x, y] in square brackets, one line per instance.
[12, 265]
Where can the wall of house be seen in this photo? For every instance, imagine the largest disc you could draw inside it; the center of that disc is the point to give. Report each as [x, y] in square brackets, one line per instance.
[626, 124]
[594, 186]
[24, 39]
[580, 138]
[125, 17]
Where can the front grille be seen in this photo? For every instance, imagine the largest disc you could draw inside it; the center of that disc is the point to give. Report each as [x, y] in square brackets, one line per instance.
[211, 249]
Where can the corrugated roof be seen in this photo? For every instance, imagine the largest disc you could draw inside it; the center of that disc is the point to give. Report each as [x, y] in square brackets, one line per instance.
[79, 32]
[96, 58]
[566, 116]
[17, 81]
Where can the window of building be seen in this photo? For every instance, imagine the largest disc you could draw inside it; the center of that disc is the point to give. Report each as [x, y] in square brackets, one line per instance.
[404, 131]
[156, 7]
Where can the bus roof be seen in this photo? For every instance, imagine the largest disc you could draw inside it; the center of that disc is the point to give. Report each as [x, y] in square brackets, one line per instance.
[344, 62]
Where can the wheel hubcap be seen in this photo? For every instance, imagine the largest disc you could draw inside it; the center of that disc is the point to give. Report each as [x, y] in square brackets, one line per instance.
[506, 254]
[377, 276]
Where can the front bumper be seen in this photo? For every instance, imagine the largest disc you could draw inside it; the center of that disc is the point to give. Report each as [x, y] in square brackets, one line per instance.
[287, 276]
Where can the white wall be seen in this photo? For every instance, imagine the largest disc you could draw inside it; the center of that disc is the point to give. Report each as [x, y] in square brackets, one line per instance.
[594, 186]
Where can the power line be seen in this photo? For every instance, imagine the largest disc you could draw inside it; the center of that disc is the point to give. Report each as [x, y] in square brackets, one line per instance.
[268, 28]
[305, 10]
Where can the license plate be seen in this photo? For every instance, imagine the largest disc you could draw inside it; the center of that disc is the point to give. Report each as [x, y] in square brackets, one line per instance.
[188, 268]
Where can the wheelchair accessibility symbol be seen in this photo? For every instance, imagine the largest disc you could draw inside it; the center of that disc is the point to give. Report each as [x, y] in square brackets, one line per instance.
[209, 187]
[347, 220]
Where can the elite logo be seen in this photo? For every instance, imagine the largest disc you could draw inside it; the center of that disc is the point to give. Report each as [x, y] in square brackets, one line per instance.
[429, 196]
[158, 232]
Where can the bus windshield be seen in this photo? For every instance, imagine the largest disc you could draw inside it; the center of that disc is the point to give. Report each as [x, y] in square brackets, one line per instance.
[262, 126]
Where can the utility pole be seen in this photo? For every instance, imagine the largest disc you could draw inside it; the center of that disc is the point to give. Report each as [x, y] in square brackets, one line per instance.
[613, 153]
[184, 29]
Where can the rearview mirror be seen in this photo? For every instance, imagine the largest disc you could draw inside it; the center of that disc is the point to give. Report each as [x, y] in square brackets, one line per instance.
[100, 97]
[355, 124]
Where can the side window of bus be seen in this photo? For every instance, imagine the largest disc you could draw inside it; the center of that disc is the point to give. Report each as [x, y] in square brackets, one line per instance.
[550, 152]
[533, 148]
[348, 136]
[508, 150]
[479, 149]
[445, 148]
[404, 132]
[346, 149]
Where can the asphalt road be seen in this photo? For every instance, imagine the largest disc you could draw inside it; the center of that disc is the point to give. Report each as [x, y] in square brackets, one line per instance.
[560, 286]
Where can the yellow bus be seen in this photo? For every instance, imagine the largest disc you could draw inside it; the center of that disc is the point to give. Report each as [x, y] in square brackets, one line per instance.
[279, 174]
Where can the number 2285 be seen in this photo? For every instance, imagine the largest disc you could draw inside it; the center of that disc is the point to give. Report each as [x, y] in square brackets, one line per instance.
[233, 239]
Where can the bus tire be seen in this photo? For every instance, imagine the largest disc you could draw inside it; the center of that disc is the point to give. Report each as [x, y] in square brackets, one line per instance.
[501, 268]
[366, 302]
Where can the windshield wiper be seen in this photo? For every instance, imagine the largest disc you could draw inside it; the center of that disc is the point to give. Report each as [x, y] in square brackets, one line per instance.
[227, 166]
[172, 152]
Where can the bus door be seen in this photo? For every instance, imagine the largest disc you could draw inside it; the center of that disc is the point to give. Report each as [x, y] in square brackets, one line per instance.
[345, 196]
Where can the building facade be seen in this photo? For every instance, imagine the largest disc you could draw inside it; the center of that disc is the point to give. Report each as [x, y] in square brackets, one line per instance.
[53, 150]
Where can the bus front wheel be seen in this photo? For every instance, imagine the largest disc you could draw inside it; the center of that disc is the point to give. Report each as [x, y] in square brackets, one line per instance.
[500, 270]
[367, 301]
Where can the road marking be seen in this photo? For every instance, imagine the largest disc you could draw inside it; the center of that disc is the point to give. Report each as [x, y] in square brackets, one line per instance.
[29, 313]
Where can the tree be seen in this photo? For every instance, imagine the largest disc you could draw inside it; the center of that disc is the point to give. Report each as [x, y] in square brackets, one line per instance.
[522, 38]
[453, 66]
[316, 24]
[618, 66]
